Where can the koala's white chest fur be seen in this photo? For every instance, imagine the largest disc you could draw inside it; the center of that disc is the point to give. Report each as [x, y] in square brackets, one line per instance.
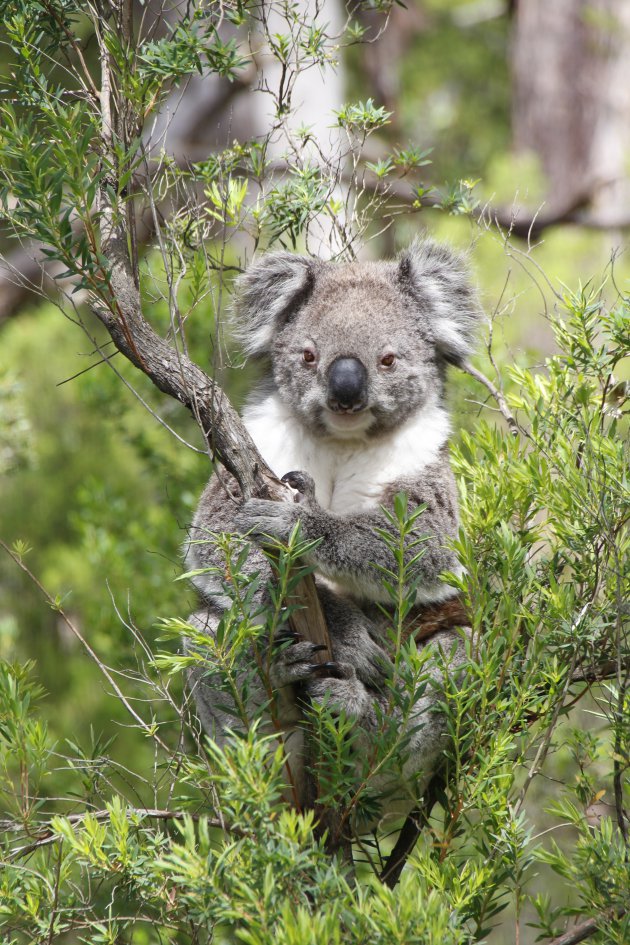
[350, 475]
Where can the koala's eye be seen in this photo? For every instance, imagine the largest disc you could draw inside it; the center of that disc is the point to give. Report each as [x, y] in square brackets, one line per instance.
[308, 355]
[388, 360]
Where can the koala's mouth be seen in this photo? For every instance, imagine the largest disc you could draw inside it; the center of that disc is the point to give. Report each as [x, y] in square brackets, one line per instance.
[347, 423]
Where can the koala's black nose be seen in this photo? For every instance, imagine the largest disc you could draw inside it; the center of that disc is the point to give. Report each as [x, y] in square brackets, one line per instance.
[347, 385]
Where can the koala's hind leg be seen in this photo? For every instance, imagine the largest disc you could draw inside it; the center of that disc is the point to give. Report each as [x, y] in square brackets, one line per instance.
[232, 700]
[356, 639]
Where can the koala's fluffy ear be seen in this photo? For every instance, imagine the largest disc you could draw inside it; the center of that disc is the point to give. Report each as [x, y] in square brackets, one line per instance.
[439, 279]
[266, 294]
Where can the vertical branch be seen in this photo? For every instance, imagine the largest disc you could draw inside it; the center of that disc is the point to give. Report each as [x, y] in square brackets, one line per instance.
[128, 122]
[105, 99]
[619, 719]
[417, 820]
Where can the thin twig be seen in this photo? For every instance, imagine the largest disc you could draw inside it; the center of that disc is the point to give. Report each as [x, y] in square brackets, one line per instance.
[468, 368]
[48, 835]
[148, 729]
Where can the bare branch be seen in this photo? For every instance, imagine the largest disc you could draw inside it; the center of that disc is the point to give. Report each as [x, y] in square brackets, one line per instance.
[597, 672]
[516, 221]
[584, 930]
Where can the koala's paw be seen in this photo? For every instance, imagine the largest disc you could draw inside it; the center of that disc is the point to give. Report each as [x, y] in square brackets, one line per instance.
[294, 662]
[303, 484]
[342, 692]
[262, 518]
[371, 663]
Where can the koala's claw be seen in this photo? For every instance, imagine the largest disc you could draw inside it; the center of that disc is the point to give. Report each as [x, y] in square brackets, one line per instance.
[322, 669]
[286, 637]
[302, 483]
[294, 663]
[328, 670]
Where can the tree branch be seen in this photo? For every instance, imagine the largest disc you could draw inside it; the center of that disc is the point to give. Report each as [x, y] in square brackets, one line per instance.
[413, 826]
[597, 672]
[175, 374]
[119, 309]
[583, 930]
[517, 221]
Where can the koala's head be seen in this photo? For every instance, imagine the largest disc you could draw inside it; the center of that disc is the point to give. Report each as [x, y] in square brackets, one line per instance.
[357, 348]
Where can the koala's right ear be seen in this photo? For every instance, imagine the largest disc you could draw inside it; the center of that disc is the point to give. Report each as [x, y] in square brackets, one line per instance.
[266, 295]
[439, 279]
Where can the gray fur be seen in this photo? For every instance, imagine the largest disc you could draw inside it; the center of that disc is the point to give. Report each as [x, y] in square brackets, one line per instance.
[438, 279]
[422, 309]
[266, 292]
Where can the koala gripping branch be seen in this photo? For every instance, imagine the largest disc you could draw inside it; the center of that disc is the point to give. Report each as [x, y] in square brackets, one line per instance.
[175, 374]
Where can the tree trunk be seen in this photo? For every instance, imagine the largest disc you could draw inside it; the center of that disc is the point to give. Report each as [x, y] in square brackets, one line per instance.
[571, 100]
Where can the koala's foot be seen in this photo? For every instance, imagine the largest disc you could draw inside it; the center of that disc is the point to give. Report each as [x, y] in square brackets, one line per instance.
[294, 662]
[342, 691]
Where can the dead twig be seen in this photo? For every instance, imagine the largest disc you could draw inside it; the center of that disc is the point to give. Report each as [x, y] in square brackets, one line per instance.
[498, 395]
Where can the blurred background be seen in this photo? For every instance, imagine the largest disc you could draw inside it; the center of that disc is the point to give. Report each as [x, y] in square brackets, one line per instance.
[524, 109]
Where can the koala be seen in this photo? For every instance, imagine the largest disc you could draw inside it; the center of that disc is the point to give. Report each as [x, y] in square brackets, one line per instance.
[351, 411]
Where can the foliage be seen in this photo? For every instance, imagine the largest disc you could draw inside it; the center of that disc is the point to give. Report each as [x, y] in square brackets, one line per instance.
[153, 833]
[544, 546]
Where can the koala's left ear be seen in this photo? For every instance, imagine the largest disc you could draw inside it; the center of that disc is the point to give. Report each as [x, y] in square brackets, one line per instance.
[267, 294]
[439, 279]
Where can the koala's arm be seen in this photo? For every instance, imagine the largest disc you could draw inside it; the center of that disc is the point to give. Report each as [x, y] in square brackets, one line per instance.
[216, 512]
[350, 551]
